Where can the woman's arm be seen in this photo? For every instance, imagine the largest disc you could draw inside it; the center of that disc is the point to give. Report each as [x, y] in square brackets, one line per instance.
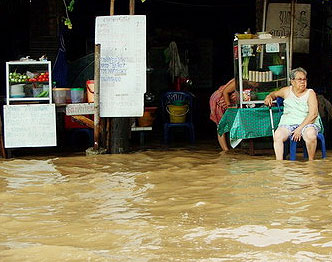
[230, 88]
[313, 109]
[273, 95]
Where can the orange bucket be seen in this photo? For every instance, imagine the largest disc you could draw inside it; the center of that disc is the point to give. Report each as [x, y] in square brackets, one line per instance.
[90, 87]
[148, 117]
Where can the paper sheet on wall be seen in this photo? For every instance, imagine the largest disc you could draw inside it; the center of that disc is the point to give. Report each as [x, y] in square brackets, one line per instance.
[122, 64]
[132, 103]
[278, 23]
[29, 125]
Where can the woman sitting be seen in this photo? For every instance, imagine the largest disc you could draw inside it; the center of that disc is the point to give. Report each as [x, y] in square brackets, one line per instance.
[300, 117]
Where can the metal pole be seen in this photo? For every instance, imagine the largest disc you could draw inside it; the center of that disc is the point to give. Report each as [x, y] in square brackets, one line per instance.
[264, 16]
[291, 38]
[263, 30]
[271, 118]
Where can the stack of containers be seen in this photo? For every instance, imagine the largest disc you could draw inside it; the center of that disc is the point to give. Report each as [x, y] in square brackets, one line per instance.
[257, 76]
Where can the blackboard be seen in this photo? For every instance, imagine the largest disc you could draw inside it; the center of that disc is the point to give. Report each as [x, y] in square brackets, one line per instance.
[122, 41]
[29, 125]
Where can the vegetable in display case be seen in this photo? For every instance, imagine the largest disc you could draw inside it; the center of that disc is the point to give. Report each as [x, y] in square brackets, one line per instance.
[28, 81]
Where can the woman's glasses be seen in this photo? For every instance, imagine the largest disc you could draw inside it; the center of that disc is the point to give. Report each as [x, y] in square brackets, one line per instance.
[300, 79]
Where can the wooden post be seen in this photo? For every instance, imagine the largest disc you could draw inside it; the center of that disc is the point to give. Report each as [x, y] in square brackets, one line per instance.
[118, 128]
[108, 133]
[112, 7]
[3, 150]
[96, 97]
[131, 7]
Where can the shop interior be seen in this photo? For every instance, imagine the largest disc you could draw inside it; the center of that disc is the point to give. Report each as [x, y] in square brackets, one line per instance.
[203, 32]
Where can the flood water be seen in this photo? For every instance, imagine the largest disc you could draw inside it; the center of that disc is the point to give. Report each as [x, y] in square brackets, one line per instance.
[173, 205]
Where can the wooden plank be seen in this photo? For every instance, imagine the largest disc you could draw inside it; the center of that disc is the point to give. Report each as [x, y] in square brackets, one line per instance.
[84, 121]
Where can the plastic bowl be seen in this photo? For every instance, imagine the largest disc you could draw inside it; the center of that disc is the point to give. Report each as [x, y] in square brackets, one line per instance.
[59, 95]
[276, 69]
[77, 95]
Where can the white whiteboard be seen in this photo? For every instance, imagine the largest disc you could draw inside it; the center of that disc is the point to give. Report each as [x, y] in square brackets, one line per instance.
[29, 125]
[122, 64]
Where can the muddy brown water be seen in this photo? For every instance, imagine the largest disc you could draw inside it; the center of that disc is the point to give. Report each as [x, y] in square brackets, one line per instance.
[157, 205]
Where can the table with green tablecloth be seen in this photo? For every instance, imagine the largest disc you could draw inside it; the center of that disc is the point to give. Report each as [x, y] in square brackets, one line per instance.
[247, 123]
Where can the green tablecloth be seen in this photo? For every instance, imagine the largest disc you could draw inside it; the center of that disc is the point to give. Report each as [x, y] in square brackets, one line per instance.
[243, 123]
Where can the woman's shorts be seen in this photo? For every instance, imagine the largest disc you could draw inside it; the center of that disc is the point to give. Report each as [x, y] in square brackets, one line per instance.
[291, 128]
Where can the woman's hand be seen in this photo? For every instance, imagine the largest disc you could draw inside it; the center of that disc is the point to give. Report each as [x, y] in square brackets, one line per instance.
[297, 134]
[268, 100]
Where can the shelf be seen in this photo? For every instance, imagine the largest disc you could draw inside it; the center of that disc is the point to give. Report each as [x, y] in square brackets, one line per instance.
[27, 83]
[257, 41]
[253, 102]
[272, 81]
[28, 62]
[29, 98]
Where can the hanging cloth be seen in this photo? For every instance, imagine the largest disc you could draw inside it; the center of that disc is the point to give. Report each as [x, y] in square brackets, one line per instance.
[176, 68]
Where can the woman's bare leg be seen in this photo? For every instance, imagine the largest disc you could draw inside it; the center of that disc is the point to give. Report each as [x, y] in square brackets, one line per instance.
[222, 142]
[310, 139]
[280, 136]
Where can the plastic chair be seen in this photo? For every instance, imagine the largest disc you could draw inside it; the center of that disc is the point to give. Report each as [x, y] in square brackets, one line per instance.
[293, 144]
[169, 98]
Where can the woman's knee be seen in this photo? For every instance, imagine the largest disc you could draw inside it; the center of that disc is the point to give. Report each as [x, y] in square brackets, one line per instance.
[281, 135]
[310, 134]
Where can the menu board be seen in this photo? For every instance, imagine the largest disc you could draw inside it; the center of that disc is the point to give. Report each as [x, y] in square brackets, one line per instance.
[29, 125]
[122, 64]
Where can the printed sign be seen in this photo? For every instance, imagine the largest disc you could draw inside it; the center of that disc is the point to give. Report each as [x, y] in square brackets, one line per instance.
[122, 64]
[80, 109]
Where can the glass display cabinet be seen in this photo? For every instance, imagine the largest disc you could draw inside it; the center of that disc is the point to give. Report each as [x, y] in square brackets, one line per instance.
[260, 66]
[28, 81]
